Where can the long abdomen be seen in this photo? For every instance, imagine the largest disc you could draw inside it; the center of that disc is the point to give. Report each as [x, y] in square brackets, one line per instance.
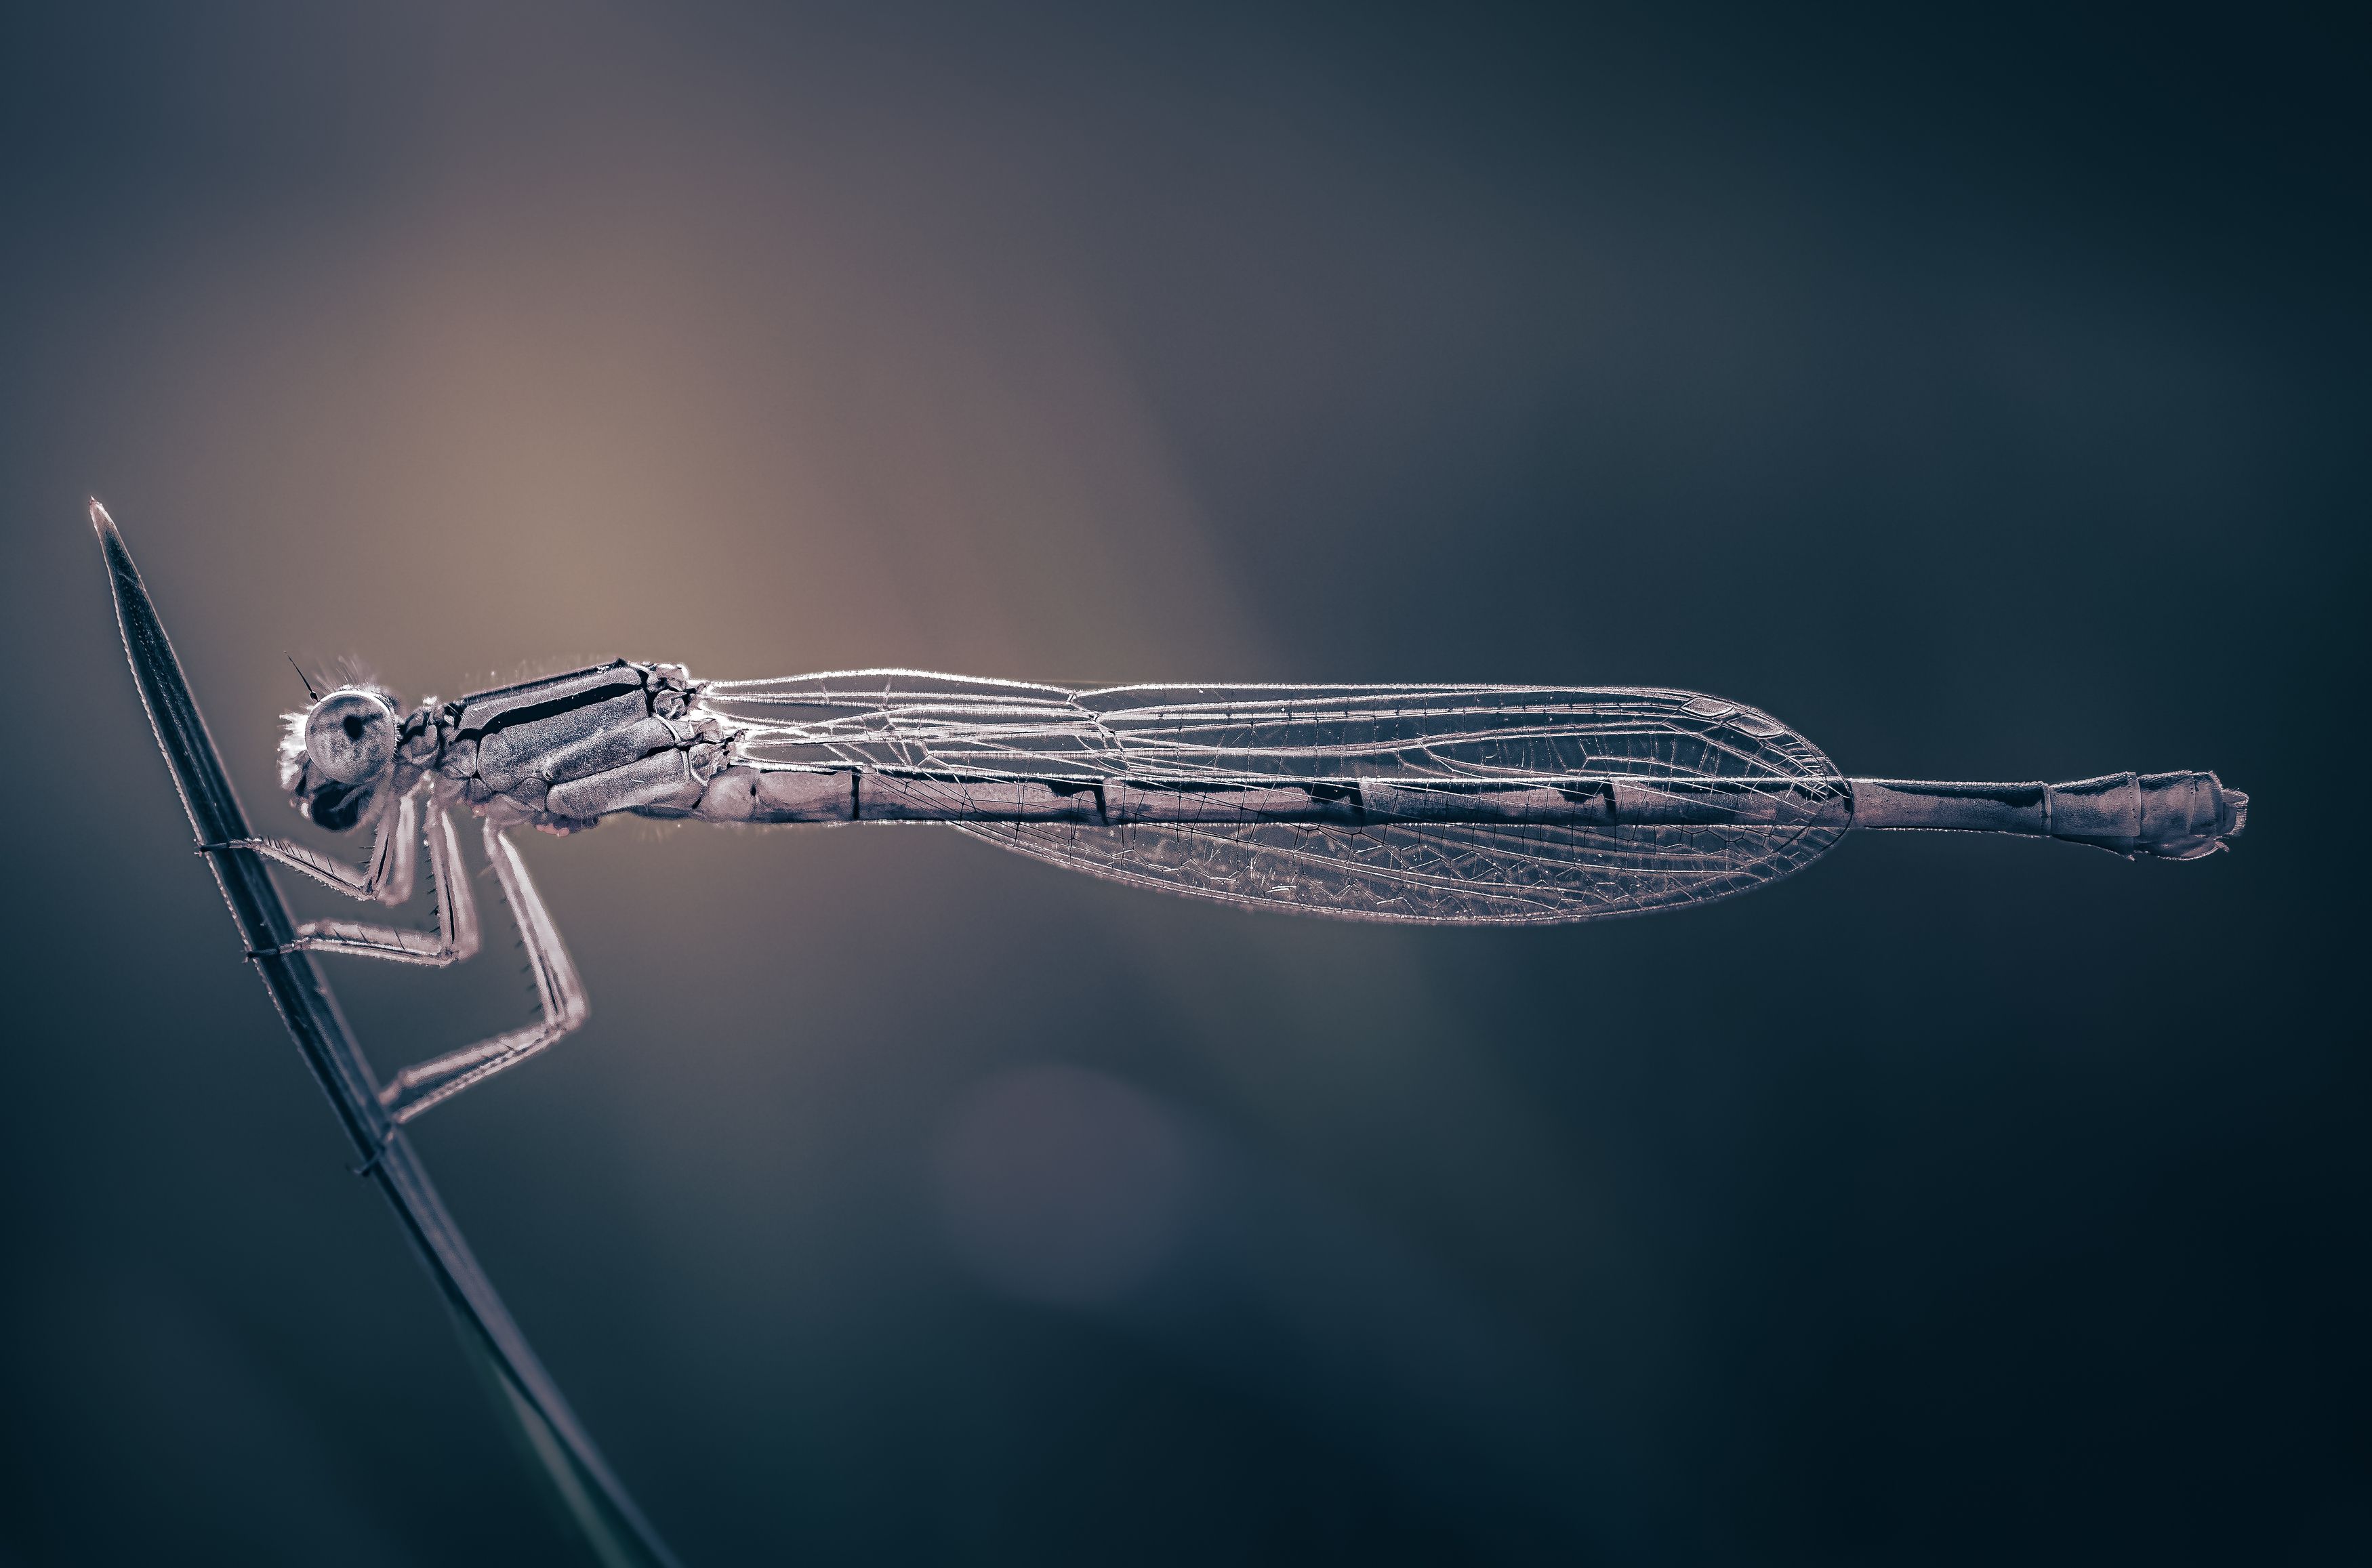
[2177, 816]
[752, 795]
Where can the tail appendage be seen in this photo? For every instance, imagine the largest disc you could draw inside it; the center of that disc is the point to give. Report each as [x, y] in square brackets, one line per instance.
[2173, 815]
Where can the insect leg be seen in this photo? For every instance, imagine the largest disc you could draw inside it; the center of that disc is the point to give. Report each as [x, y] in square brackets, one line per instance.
[425, 1083]
[455, 937]
[386, 876]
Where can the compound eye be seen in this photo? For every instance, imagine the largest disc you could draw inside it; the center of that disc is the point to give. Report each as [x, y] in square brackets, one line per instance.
[350, 736]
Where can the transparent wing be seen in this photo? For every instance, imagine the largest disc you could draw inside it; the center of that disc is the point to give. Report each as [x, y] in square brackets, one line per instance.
[1448, 874]
[909, 721]
[1390, 750]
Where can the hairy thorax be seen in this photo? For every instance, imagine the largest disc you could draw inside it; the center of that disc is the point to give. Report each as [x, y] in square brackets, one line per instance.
[562, 752]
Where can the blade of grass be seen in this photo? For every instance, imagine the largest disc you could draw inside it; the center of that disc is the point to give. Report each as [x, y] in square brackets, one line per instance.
[606, 1517]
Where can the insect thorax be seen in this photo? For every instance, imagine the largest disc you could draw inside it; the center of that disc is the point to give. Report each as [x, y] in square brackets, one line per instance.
[563, 751]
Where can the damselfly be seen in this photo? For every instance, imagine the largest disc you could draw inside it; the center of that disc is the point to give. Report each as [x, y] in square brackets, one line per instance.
[1452, 804]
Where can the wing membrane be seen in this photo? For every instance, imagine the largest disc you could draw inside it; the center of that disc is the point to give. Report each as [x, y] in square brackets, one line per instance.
[1456, 874]
[1447, 737]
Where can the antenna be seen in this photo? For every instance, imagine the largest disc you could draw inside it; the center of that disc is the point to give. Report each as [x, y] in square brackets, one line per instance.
[302, 676]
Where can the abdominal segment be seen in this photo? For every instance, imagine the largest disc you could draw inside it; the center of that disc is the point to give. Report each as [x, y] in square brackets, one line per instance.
[744, 794]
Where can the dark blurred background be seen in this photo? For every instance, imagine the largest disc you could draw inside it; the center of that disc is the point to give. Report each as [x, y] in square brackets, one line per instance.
[1983, 393]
